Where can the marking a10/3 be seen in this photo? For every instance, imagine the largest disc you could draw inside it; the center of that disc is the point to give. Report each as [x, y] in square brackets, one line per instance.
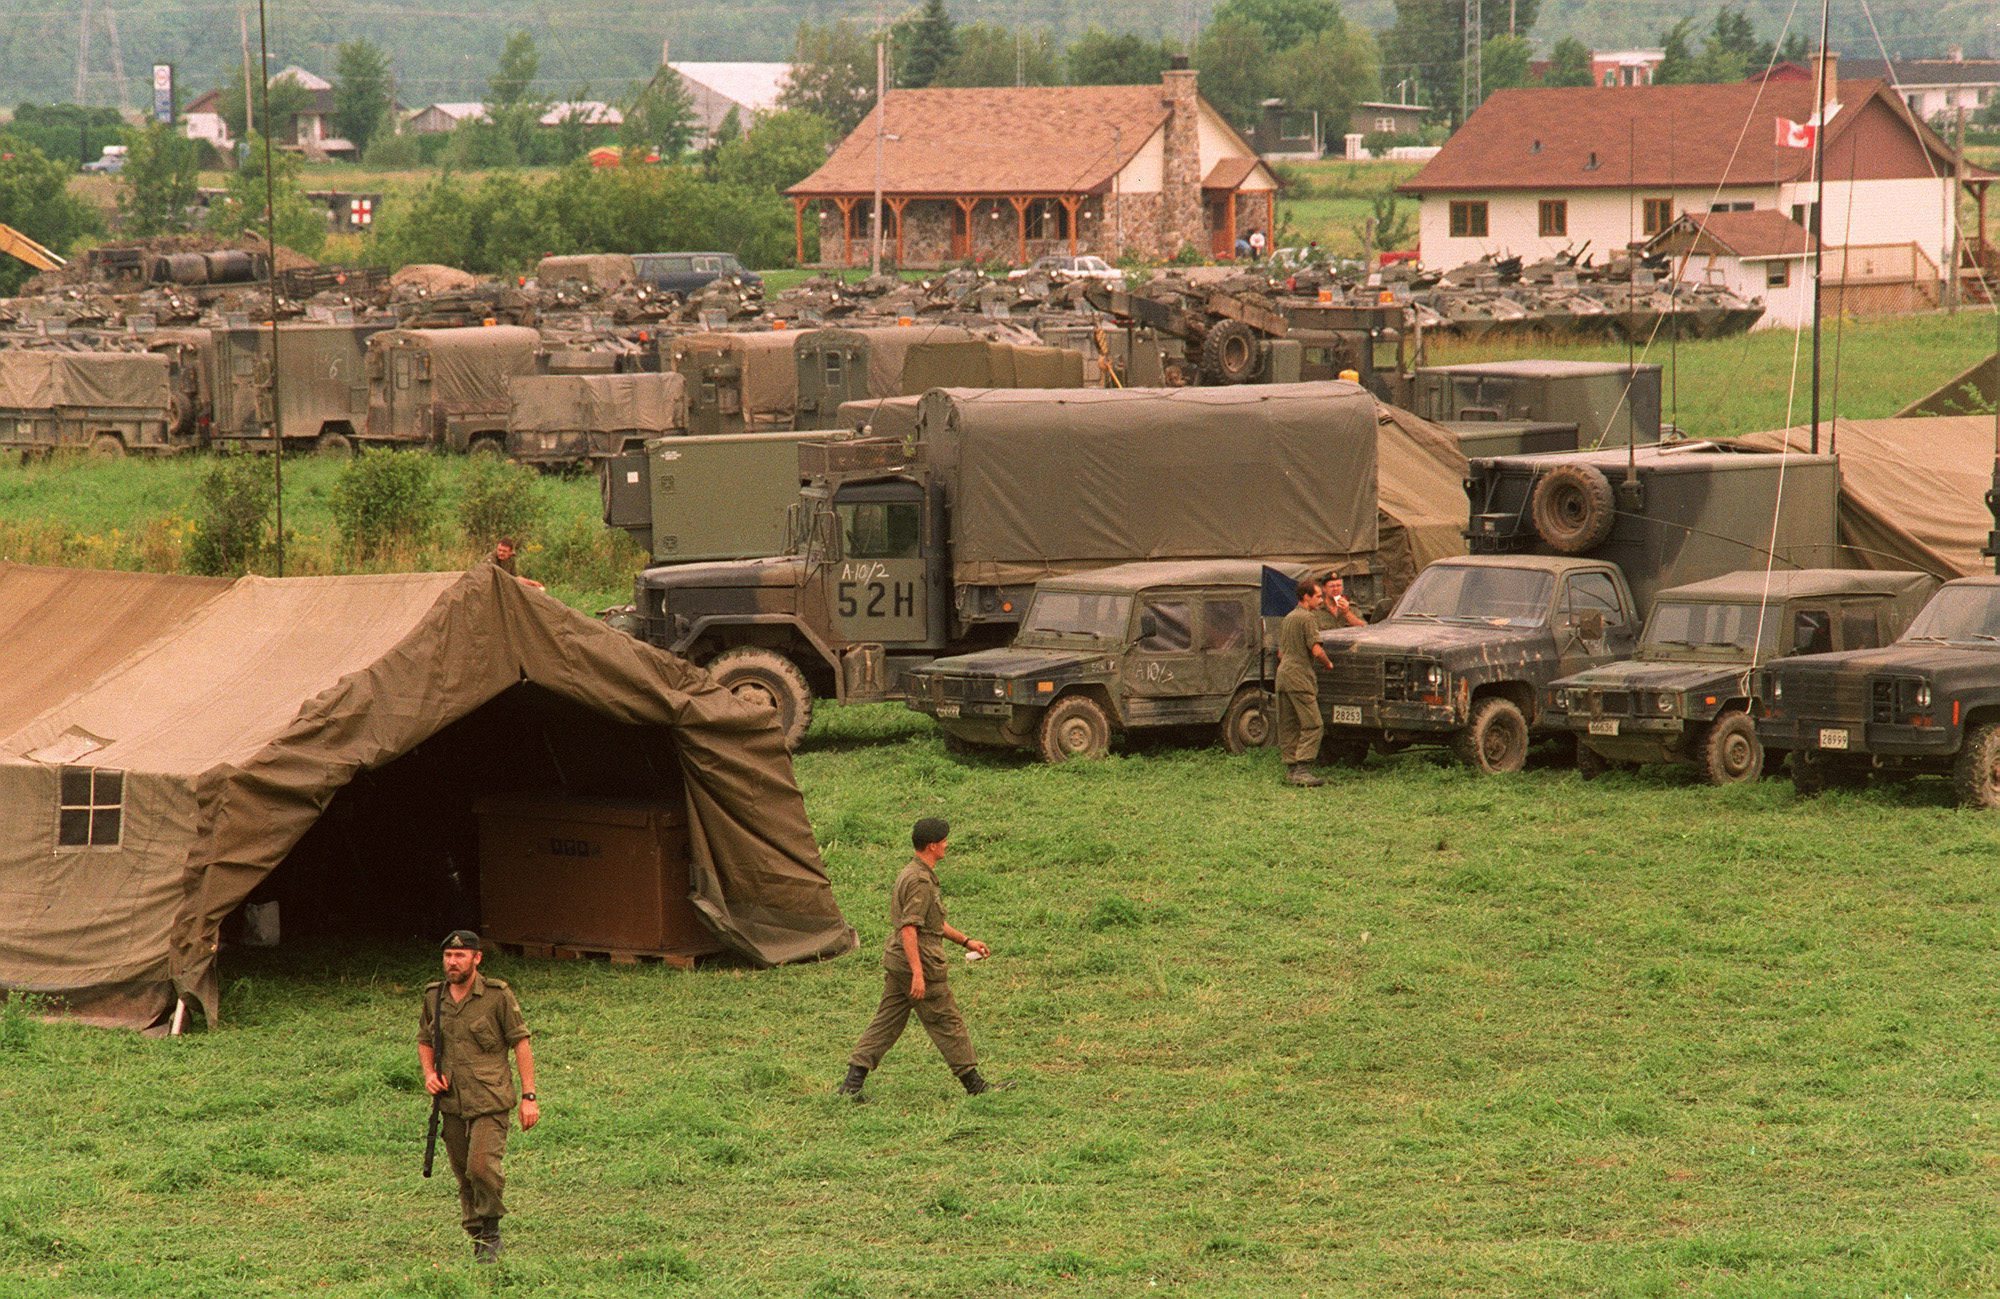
[877, 599]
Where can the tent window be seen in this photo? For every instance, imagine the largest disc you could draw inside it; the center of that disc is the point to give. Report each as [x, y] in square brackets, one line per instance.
[90, 809]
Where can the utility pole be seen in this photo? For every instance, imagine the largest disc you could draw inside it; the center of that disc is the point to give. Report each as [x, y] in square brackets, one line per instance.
[881, 128]
[82, 52]
[1955, 239]
[243, 34]
[1471, 79]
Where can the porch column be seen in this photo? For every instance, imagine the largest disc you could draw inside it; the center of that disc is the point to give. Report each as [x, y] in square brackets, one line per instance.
[846, 206]
[1229, 224]
[1270, 221]
[1020, 203]
[1070, 203]
[896, 205]
[799, 230]
[966, 207]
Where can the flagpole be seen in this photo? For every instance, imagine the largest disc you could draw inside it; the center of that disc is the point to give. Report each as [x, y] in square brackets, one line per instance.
[1817, 223]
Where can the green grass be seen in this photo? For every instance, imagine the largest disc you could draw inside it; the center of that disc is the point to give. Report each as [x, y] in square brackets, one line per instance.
[1417, 1033]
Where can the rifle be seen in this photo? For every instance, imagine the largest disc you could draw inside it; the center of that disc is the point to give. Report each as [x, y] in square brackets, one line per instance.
[437, 1067]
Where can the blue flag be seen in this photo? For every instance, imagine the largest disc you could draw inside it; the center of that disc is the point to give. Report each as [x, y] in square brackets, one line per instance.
[1281, 593]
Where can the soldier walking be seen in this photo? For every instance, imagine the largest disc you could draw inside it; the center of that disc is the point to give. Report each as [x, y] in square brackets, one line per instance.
[469, 1023]
[1299, 725]
[914, 972]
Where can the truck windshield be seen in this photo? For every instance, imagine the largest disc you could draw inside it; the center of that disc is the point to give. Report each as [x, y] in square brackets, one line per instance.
[1500, 597]
[1959, 613]
[880, 529]
[1714, 626]
[1078, 613]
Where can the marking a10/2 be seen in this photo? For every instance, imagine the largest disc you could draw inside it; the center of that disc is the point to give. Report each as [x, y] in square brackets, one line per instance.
[877, 599]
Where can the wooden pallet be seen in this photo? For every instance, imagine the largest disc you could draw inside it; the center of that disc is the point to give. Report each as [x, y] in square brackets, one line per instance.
[614, 955]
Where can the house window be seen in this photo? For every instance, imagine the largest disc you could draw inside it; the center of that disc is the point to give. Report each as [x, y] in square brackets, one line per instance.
[1807, 215]
[1553, 218]
[1611, 76]
[1732, 207]
[90, 807]
[1777, 275]
[1657, 216]
[1468, 220]
[1385, 124]
[1048, 219]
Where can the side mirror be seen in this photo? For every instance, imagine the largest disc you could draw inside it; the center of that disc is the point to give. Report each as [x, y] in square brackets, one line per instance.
[1149, 626]
[1590, 624]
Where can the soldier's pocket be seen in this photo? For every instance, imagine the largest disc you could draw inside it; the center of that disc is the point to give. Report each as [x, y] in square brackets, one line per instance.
[486, 1036]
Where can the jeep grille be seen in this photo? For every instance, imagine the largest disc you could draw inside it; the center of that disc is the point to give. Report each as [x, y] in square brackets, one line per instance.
[1610, 703]
[1826, 696]
[1353, 677]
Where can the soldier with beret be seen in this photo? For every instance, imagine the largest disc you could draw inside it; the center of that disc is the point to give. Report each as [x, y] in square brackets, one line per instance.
[469, 1023]
[914, 972]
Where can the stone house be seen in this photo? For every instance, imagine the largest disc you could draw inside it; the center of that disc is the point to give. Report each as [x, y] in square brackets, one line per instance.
[1008, 174]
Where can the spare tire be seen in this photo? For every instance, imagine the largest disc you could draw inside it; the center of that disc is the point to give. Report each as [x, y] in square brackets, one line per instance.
[1229, 352]
[1574, 509]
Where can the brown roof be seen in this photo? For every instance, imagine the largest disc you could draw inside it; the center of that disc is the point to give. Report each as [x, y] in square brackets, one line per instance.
[203, 103]
[995, 140]
[1228, 173]
[1765, 232]
[1587, 137]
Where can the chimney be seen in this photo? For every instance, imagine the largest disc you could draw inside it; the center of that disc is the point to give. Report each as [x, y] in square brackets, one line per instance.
[1831, 60]
[1182, 218]
[663, 52]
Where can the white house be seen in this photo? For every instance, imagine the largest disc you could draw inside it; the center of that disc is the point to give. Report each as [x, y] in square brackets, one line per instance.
[1539, 171]
[435, 119]
[1758, 254]
[201, 119]
[1936, 88]
[717, 88]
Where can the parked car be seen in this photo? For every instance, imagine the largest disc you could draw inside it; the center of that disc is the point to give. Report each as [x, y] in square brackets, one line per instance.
[1070, 268]
[111, 163]
[687, 272]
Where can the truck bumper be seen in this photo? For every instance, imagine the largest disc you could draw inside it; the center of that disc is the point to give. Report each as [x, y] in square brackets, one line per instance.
[1390, 716]
[1924, 744]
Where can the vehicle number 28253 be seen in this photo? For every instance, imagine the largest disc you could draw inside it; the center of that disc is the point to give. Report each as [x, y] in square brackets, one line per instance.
[877, 599]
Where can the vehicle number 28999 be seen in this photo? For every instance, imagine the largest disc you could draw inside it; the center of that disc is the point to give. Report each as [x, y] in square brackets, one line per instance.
[877, 599]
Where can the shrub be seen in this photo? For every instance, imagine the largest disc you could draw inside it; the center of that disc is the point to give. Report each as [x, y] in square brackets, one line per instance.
[386, 499]
[502, 499]
[232, 523]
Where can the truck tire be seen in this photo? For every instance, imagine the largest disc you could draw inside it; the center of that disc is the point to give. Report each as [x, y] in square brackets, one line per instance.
[1495, 739]
[1813, 773]
[107, 446]
[334, 446]
[1246, 723]
[1730, 754]
[487, 444]
[1075, 726]
[1975, 774]
[1573, 508]
[1229, 354]
[767, 677]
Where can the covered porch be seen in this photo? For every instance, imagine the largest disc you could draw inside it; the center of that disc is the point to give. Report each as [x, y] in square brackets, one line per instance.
[933, 230]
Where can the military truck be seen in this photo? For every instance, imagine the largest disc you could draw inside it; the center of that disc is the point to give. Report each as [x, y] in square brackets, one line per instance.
[1927, 703]
[1116, 650]
[1565, 568]
[744, 382]
[323, 388]
[108, 403]
[446, 387]
[1611, 404]
[573, 419]
[837, 366]
[1686, 697]
[904, 551]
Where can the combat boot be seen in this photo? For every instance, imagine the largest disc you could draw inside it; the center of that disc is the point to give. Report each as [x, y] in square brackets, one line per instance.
[978, 1086]
[1301, 775]
[851, 1085]
[486, 1245]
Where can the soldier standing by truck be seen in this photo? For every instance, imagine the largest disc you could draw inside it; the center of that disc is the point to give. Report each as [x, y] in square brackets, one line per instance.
[1299, 725]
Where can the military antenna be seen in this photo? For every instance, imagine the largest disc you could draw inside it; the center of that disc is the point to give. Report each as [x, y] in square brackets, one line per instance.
[271, 273]
[1816, 226]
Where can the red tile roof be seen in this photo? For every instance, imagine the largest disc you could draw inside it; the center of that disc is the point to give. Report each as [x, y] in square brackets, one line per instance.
[1586, 137]
[995, 140]
[1228, 173]
[1765, 232]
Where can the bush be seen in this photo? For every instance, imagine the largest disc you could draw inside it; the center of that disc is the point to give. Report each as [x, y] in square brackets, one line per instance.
[232, 524]
[386, 500]
[502, 499]
[388, 152]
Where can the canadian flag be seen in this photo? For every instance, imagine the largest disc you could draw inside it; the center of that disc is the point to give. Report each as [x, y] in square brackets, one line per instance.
[1795, 135]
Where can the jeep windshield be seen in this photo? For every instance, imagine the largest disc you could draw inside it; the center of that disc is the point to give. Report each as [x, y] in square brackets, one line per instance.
[1496, 597]
[1736, 627]
[1064, 617]
[1962, 613]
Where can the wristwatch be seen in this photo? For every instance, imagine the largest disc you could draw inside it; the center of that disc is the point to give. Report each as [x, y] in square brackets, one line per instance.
[527, 1096]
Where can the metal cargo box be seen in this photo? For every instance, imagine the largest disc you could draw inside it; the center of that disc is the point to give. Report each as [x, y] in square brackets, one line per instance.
[599, 874]
[1510, 437]
[1592, 395]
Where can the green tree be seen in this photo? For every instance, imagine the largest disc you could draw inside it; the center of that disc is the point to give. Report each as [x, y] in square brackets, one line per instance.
[1286, 23]
[925, 45]
[988, 55]
[67, 133]
[1329, 72]
[780, 150]
[1234, 59]
[1569, 64]
[1677, 64]
[160, 180]
[1099, 58]
[300, 224]
[35, 199]
[1427, 42]
[513, 81]
[287, 100]
[1503, 63]
[660, 117]
[832, 76]
[360, 91]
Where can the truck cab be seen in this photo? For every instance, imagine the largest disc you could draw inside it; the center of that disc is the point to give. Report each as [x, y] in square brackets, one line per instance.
[1466, 657]
[1113, 651]
[1928, 703]
[1685, 696]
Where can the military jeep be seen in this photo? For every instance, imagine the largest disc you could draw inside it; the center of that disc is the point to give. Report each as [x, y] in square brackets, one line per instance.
[1930, 702]
[1685, 697]
[1117, 650]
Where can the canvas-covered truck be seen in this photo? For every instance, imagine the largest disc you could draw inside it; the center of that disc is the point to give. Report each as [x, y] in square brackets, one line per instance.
[573, 419]
[1133, 647]
[322, 385]
[1928, 703]
[903, 551]
[108, 403]
[837, 366]
[1685, 697]
[1570, 552]
[745, 382]
[446, 388]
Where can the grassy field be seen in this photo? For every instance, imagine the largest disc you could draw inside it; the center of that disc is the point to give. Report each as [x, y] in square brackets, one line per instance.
[1329, 200]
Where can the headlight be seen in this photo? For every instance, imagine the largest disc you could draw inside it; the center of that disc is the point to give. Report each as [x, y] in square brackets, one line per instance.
[999, 689]
[1663, 703]
[1434, 677]
[1777, 688]
[1923, 694]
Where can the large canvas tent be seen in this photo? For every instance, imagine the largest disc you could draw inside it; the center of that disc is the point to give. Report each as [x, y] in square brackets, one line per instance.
[192, 734]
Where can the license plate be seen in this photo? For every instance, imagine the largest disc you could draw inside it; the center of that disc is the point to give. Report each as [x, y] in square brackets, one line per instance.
[1833, 737]
[1604, 726]
[947, 710]
[1344, 714]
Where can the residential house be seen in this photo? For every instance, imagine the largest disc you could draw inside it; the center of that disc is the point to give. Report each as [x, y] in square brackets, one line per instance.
[201, 119]
[1625, 67]
[1936, 89]
[1372, 118]
[1011, 173]
[1756, 254]
[1536, 172]
[311, 132]
[436, 119]
[590, 112]
[718, 89]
